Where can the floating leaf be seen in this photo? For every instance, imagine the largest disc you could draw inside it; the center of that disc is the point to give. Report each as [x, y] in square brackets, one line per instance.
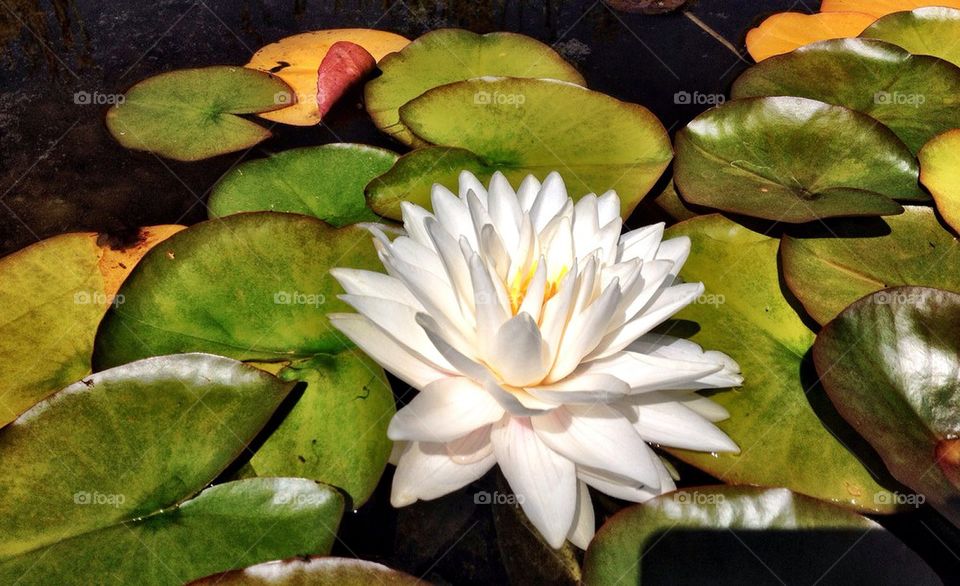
[670, 202]
[92, 473]
[890, 364]
[297, 60]
[236, 523]
[878, 8]
[52, 296]
[527, 126]
[793, 160]
[924, 31]
[830, 272]
[914, 95]
[784, 527]
[784, 32]
[191, 114]
[249, 286]
[743, 312]
[450, 55]
[940, 172]
[326, 182]
[337, 431]
[315, 571]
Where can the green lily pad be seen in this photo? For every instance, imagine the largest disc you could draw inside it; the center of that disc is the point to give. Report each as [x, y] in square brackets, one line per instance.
[249, 286]
[337, 431]
[237, 523]
[326, 182]
[101, 461]
[829, 273]
[53, 295]
[670, 202]
[743, 313]
[450, 55]
[793, 160]
[527, 127]
[745, 521]
[889, 363]
[191, 114]
[931, 30]
[314, 571]
[913, 95]
[940, 173]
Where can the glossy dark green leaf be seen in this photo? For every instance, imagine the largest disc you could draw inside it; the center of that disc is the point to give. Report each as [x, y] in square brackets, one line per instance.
[528, 127]
[913, 95]
[225, 526]
[249, 286]
[191, 114]
[743, 313]
[93, 465]
[450, 55]
[314, 571]
[337, 431]
[793, 160]
[326, 182]
[891, 365]
[931, 30]
[830, 272]
[733, 516]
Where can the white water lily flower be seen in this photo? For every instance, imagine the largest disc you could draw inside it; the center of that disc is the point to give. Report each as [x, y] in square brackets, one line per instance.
[524, 321]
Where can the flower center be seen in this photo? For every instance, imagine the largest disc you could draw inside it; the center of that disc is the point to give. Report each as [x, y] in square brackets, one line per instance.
[518, 288]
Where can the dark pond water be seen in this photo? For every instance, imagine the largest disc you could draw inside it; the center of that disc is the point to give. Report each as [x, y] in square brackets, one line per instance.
[60, 171]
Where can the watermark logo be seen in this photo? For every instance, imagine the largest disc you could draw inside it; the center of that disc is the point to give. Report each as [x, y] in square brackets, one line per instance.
[694, 497]
[899, 99]
[97, 298]
[84, 497]
[485, 98]
[299, 298]
[895, 298]
[714, 299]
[898, 498]
[683, 98]
[300, 500]
[497, 498]
[83, 98]
[283, 98]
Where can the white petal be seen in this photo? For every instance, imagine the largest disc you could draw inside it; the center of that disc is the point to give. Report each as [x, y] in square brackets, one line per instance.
[599, 437]
[586, 224]
[462, 363]
[608, 207]
[728, 375]
[425, 472]
[532, 303]
[491, 312]
[668, 423]
[478, 213]
[584, 332]
[504, 210]
[527, 192]
[653, 274]
[544, 482]
[675, 250]
[385, 350]
[413, 222]
[468, 182]
[556, 311]
[360, 282]
[519, 355]
[494, 251]
[584, 523]
[616, 488]
[582, 389]
[644, 372]
[557, 239]
[642, 243]
[445, 410]
[399, 321]
[472, 447]
[452, 213]
[704, 407]
[517, 401]
[454, 264]
[550, 201]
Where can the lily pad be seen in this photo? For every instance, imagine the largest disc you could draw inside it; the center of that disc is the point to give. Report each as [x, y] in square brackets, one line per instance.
[337, 431]
[786, 31]
[940, 172]
[878, 8]
[913, 95]
[829, 273]
[53, 295]
[450, 55]
[326, 182]
[313, 571]
[249, 286]
[743, 313]
[527, 127]
[237, 523]
[670, 202]
[933, 30]
[890, 364]
[297, 60]
[101, 461]
[793, 160]
[759, 523]
[191, 114]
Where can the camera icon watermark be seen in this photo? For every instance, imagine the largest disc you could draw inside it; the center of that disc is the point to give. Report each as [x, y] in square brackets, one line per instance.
[299, 298]
[684, 98]
[84, 98]
[899, 498]
[83, 498]
[497, 498]
[485, 98]
[899, 99]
